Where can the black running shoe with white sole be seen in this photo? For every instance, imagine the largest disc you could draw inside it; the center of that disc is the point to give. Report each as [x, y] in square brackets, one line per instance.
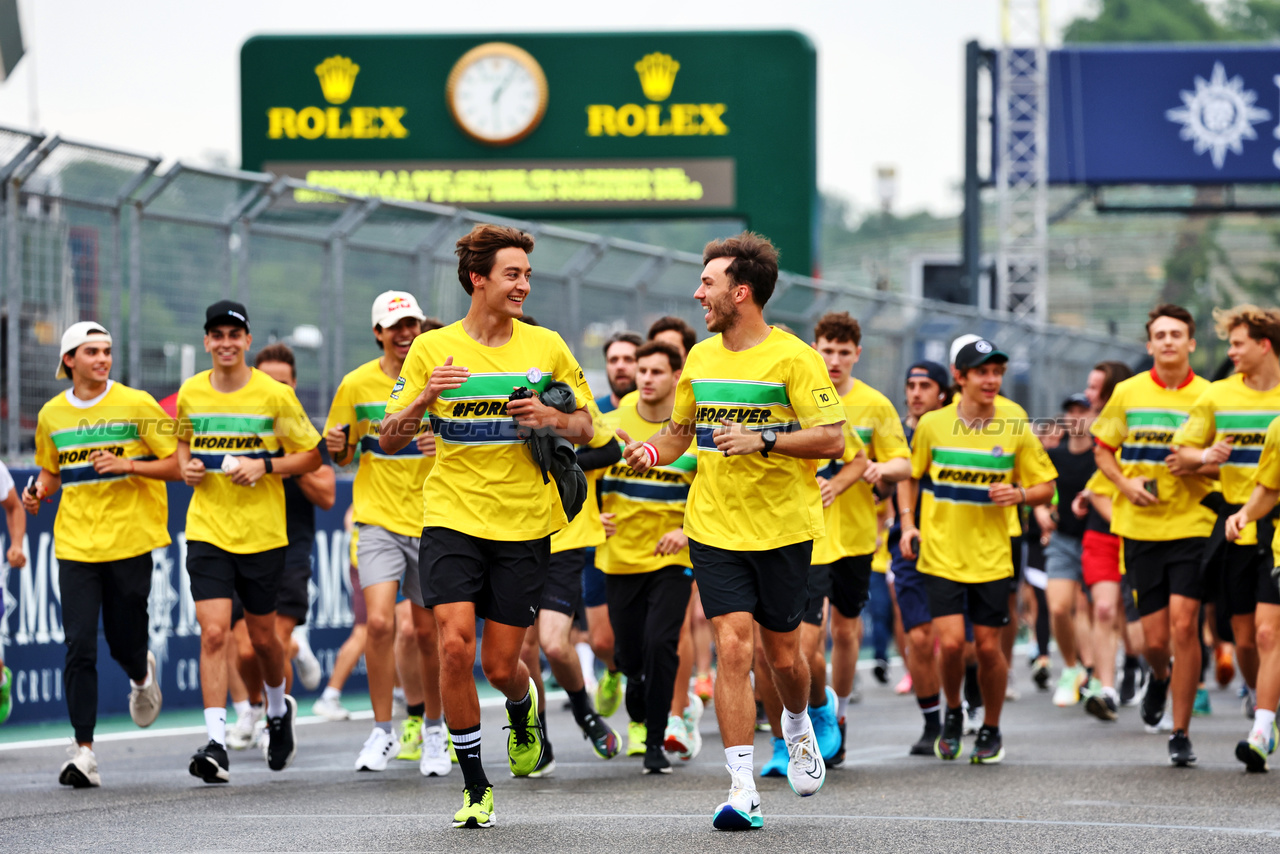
[655, 760]
[1180, 753]
[1101, 706]
[989, 748]
[282, 746]
[1152, 708]
[210, 763]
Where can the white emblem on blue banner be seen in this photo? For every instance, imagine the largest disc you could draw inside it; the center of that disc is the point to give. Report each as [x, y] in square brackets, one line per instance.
[1218, 116]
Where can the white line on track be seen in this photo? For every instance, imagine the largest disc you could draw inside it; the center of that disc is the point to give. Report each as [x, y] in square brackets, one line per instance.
[928, 819]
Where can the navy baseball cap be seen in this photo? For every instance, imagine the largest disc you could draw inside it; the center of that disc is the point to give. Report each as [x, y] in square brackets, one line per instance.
[1077, 399]
[932, 370]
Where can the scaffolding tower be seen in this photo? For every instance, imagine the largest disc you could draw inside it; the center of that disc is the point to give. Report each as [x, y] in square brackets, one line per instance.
[1022, 167]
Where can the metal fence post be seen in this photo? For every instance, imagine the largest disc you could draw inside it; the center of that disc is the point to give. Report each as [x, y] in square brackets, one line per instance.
[117, 266]
[337, 258]
[13, 324]
[135, 294]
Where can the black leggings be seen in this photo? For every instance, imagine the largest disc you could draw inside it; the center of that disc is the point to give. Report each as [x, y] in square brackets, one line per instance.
[119, 589]
[647, 610]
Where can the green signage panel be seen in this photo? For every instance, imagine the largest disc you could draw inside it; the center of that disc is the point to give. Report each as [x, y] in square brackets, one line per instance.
[613, 125]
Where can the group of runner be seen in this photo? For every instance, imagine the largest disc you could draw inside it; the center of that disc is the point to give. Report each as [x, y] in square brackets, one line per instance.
[742, 483]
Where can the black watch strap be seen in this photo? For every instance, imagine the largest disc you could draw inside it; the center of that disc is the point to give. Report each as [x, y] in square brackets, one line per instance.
[267, 460]
[770, 439]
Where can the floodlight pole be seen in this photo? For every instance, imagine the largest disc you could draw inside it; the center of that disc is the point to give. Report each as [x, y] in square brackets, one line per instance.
[975, 59]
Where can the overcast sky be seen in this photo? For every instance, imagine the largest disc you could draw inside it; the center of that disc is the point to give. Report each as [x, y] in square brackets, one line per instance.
[162, 76]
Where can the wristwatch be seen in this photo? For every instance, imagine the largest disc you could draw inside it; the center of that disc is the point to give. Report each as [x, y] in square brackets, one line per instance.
[770, 438]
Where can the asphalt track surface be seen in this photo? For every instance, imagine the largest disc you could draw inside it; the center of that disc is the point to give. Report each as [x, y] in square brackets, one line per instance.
[1069, 784]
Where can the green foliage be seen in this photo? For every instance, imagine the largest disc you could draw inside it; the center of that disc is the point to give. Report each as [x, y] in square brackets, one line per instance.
[1148, 21]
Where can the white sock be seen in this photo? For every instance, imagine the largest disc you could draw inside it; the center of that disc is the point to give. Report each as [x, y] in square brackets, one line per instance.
[145, 682]
[794, 725]
[587, 659]
[215, 721]
[741, 761]
[331, 693]
[242, 708]
[275, 700]
[1262, 720]
[842, 706]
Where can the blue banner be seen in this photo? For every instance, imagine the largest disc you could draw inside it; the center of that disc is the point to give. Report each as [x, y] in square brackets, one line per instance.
[31, 630]
[1195, 115]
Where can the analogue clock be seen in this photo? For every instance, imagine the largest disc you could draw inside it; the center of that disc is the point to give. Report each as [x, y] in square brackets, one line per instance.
[497, 93]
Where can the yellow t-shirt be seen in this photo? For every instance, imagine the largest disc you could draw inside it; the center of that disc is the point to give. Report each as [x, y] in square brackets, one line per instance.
[1229, 409]
[104, 517]
[1269, 473]
[485, 483]
[645, 506]
[262, 419]
[1139, 423]
[749, 502]
[387, 491]
[963, 536]
[585, 530]
[851, 519]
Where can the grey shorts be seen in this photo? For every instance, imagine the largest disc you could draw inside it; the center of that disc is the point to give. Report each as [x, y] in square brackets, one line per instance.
[383, 555]
[1061, 559]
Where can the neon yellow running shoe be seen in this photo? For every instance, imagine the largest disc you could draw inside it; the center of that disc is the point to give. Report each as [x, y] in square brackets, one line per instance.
[636, 735]
[609, 693]
[453, 754]
[411, 739]
[477, 808]
[524, 741]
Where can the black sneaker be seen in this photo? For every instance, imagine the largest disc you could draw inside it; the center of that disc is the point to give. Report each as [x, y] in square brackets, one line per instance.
[547, 763]
[989, 748]
[1101, 706]
[1040, 673]
[1129, 683]
[837, 759]
[1180, 750]
[210, 763]
[282, 745]
[948, 745]
[1152, 709]
[881, 671]
[655, 760]
[604, 739]
[924, 747]
[762, 720]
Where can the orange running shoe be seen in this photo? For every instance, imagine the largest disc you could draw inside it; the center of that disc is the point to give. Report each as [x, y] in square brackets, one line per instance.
[703, 686]
[1226, 664]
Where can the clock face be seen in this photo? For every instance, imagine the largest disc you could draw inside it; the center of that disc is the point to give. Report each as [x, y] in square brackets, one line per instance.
[497, 93]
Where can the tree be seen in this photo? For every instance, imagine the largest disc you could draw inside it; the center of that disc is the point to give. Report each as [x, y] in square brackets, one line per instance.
[1149, 21]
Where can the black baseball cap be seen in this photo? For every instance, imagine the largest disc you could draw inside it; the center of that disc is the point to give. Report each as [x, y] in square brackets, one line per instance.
[1077, 399]
[933, 371]
[977, 353]
[226, 313]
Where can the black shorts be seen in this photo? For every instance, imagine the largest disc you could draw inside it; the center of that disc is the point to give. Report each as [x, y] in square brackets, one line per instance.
[1159, 569]
[846, 582]
[502, 579]
[1131, 614]
[772, 585]
[1015, 552]
[293, 599]
[563, 589]
[217, 574]
[985, 604]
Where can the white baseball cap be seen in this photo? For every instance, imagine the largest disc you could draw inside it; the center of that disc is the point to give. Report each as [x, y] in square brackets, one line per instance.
[960, 343]
[77, 334]
[390, 307]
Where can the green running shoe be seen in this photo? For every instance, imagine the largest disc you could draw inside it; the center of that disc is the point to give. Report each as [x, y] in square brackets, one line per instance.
[1255, 749]
[6, 699]
[524, 742]
[477, 808]
[411, 739]
[609, 693]
[636, 735]
[1202, 708]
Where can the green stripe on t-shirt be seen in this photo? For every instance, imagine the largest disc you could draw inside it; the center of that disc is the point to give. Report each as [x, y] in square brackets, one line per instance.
[973, 459]
[740, 392]
[1237, 421]
[233, 424]
[371, 411]
[1155, 417]
[95, 434]
[488, 386]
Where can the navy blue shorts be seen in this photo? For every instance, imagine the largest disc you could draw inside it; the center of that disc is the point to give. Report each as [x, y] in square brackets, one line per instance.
[909, 587]
[593, 595]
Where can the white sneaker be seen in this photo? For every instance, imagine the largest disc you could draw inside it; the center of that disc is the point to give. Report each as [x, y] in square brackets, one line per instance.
[692, 721]
[435, 755]
[972, 719]
[676, 739]
[81, 770]
[378, 749]
[742, 810]
[144, 703]
[309, 670]
[240, 734]
[806, 771]
[262, 737]
[399, 705]
[330, 710]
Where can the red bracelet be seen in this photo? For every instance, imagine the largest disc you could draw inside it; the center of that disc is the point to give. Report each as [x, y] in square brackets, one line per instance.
[651, 452]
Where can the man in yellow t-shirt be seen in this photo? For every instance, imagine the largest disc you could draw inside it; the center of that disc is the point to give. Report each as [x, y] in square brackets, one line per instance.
[1159, 515]
[1227, 427]
[1263, 735]
[239, 432]
[974, 451]
[109, 447]
[646, 566]
[758, 402]
[387, 502]
[489, 514]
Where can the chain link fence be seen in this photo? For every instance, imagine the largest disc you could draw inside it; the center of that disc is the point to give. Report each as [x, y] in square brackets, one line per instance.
[95, 233]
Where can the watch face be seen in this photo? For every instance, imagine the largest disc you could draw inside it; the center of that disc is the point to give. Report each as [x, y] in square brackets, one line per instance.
[497, 93]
